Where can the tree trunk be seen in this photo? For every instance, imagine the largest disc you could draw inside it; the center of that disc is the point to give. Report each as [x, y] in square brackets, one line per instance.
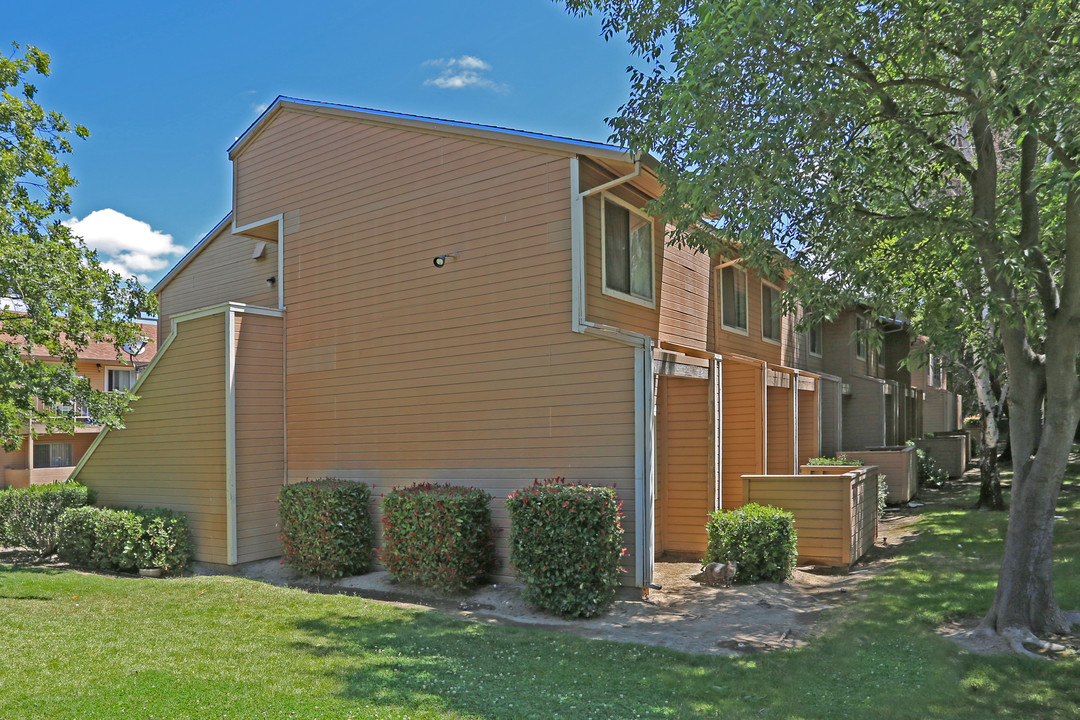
[990, 497]
[1041, 427]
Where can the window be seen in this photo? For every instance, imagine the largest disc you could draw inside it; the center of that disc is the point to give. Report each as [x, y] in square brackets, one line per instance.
[770, 312]
[860, 338]
[628, 252]
[733, 298]
[813, 339]
[119, 379]
[52, 455]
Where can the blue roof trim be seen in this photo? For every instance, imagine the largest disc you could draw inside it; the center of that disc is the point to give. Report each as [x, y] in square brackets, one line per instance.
[190, 254]
[448, 123]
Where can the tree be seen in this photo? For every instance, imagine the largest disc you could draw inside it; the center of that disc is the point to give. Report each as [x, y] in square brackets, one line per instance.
[922, 132]
[56, 296]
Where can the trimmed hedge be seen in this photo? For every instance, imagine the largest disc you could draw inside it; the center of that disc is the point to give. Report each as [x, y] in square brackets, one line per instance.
[440, 536]
[326, 528]
[759, 539]
[122, 539]
[565, 545]
[29, 516]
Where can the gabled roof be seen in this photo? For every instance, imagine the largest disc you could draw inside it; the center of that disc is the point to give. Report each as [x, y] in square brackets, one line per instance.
[601, 152]
[492, 133]
[104, 350]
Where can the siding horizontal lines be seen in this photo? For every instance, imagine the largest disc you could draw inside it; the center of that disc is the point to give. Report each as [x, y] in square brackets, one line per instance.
[323, 249]
[368, 147]
[422, 213]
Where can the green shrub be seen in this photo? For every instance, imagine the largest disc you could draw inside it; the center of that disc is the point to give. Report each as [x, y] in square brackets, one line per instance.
[116, 540]
[122, 539]
[326, 528]
[565, 545]
[29, 516]
[77, 529]
[759, 539]
[931, 475]
[166, 540]
[882, 494]
[438, 535]
[836, 461]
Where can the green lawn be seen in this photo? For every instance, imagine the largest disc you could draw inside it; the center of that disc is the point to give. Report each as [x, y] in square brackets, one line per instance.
[86, 646]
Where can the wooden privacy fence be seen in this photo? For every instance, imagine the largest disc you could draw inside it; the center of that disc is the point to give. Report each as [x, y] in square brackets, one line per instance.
[835, 515]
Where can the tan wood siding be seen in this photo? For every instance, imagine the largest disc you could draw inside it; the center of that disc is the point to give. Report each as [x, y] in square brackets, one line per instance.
[172, 451]
[864, 413]
[686, 493]
[259, 434]
[399, 371]
[809, 438]
[781, 430]
[830, 419]
[223, 271]
[684, 298]
[743, 428]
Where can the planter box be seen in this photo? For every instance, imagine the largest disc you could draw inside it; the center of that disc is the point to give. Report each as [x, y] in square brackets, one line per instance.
[950, 452]
[828, 469]
[899, 464]
[835, 514]
[971, 438]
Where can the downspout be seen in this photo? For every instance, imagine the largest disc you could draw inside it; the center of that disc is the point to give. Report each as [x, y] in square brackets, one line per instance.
[795, 421]
[716, 391]
[230, 436]
[644, 417]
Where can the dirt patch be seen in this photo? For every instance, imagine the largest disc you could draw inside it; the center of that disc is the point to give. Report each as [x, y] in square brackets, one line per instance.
[684, 615]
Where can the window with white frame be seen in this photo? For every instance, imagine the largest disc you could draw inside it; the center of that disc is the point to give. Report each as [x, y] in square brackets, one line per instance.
[813, 339]
[860, 338]
[52, 455]
[770, 312]
[733, 315]
[119, 379]
[628, 251]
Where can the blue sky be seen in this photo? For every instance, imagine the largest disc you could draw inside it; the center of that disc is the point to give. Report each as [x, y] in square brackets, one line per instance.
[165, 88]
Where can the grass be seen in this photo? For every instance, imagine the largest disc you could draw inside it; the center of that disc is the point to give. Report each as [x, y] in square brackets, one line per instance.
[89, 646]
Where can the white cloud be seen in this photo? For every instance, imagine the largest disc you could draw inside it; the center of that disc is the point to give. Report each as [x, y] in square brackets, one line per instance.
[126, 245]
[462, 72]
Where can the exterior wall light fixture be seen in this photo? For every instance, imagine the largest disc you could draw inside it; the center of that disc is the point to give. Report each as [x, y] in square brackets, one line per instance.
[440, 260]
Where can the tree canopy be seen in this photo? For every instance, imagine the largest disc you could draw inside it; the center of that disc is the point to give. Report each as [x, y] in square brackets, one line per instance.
[57, 298]
[917, 151]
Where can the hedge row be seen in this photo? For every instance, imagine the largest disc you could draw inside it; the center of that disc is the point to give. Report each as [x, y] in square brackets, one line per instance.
[29, 516]
[120, 539]
[566, 539]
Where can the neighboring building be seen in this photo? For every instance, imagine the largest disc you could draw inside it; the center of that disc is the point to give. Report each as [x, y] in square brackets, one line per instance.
[941, 409]
[48, 457]
[397, 299]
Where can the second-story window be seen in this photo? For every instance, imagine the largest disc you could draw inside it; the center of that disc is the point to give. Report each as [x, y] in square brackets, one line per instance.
[51, 455]
[860, 338]
[813, 339]
[119, 379]
[770, 312]
[733, 314]
[628, 252]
